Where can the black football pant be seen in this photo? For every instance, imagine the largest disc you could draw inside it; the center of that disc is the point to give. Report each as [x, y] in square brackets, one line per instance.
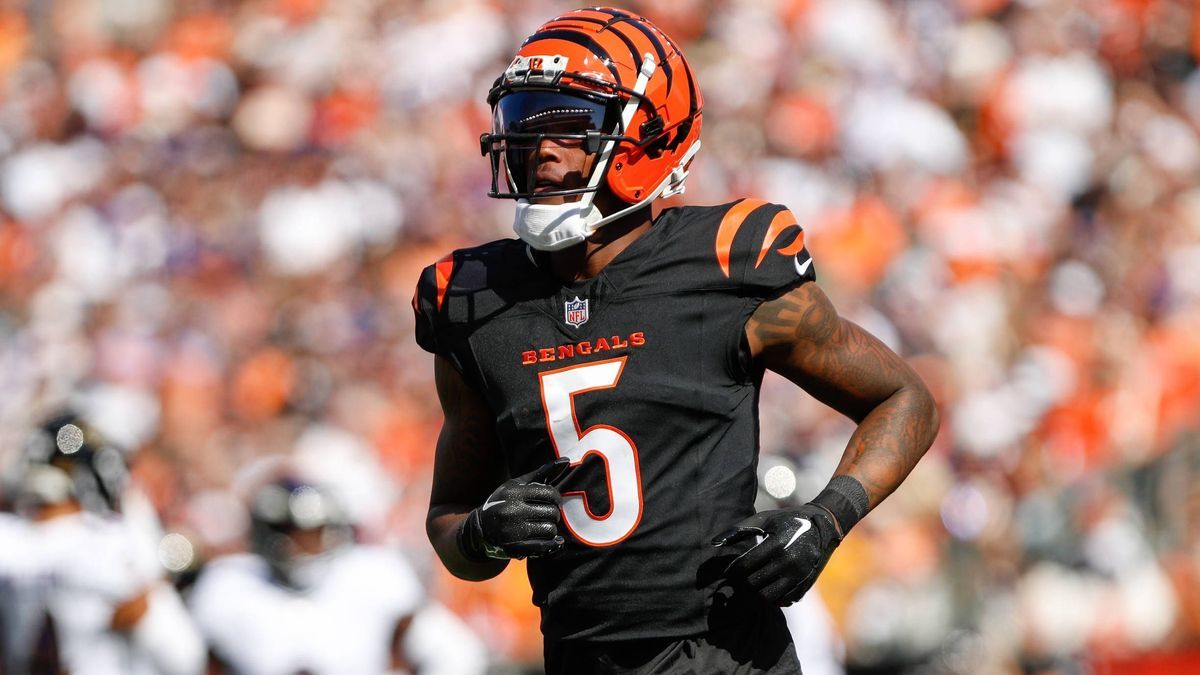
[758, 645]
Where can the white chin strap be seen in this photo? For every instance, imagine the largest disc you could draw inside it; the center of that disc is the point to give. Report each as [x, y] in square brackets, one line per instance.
[552, 227]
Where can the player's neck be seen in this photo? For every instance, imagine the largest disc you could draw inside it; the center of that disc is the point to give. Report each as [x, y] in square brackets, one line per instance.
[586, 260]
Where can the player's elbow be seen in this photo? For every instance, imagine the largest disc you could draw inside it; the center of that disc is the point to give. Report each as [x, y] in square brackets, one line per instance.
[441, 526]
[469, 570]
[924, 411]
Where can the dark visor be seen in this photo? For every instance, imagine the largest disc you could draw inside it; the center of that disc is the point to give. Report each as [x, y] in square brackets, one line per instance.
[536, 112]
[521, 120]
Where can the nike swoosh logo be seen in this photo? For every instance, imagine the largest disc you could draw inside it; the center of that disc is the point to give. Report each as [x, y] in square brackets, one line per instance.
[801, 269]
[805, 526]
[488, 505]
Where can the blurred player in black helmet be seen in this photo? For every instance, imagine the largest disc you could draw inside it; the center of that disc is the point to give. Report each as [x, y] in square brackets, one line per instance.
[86, 592]
[297, 529]
[308, 598]
[66, 461]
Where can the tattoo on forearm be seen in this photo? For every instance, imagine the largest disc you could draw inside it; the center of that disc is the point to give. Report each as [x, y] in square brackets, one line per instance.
[888, 443]
[801, 336]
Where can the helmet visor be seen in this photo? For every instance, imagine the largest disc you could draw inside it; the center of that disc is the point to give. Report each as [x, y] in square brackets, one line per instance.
[523, 120]
[544, 111]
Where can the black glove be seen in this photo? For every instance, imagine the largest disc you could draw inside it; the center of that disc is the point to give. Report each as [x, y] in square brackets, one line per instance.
[519, 520]
[794, 544]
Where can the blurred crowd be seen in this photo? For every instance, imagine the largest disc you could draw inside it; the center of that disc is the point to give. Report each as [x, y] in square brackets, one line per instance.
[213, 213]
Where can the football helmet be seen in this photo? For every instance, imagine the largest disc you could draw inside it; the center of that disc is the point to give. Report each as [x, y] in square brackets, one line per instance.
[296, 526]
[66, 458]
[611, 82]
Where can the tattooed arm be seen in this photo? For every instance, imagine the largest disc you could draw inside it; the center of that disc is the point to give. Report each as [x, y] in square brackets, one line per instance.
[800, 336]
[466, 469]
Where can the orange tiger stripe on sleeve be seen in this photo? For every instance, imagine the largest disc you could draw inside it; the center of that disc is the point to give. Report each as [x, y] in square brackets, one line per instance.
[780, 224]
[444, 269]
[729, 226]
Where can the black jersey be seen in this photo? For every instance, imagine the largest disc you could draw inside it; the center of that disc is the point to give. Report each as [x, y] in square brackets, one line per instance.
[642, 377]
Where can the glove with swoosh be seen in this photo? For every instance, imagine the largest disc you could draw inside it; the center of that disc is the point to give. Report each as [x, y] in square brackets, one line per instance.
[520, 519]
[793, 547]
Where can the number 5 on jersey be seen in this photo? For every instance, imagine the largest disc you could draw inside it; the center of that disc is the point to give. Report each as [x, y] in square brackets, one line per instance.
[559, 388]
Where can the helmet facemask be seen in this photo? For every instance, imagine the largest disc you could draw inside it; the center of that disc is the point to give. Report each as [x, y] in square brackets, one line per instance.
[524, 120]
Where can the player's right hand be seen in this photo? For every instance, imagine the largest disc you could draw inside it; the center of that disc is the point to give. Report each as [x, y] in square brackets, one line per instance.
[520, 519]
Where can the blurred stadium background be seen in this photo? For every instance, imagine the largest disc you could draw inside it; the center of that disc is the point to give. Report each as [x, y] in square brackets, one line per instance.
[213, 212]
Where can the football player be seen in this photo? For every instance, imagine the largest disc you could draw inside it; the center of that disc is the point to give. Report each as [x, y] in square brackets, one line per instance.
[307, 599]
[83, 589]
[600, 373]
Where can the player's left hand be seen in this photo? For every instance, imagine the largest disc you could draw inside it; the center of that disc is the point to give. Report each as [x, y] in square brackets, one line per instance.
[793, 547]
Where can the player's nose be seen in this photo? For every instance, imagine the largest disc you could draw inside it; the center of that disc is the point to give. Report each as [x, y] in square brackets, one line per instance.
[550, 150]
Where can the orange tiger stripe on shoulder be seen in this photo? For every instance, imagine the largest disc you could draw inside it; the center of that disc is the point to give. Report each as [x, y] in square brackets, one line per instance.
[796, 246]
[729, 226]
[780, 224]
[444, 269]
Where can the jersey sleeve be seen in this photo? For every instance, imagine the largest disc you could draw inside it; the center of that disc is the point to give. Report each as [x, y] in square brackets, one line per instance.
[754, 251]
[448, 302]
[428, 300]
[770, 250]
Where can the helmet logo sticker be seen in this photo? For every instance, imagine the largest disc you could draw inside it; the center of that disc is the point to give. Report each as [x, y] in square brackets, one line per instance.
[545, 68]
[576, 312]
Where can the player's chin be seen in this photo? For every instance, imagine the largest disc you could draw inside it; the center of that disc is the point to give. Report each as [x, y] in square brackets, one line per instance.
[552, 199]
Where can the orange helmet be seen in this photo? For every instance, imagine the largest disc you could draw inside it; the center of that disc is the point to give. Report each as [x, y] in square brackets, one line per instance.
[608, 79]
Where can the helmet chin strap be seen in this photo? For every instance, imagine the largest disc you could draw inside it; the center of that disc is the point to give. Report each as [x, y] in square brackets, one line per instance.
[551, 227]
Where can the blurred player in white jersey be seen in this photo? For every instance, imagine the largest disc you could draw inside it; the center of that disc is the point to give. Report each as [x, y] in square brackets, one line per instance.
[308, 599]
[83, 590]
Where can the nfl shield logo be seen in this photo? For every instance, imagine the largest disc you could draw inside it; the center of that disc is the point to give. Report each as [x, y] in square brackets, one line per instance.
[576, 312]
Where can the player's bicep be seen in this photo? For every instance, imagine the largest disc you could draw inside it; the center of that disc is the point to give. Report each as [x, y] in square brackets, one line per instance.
[801, 336]
[467, 465]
